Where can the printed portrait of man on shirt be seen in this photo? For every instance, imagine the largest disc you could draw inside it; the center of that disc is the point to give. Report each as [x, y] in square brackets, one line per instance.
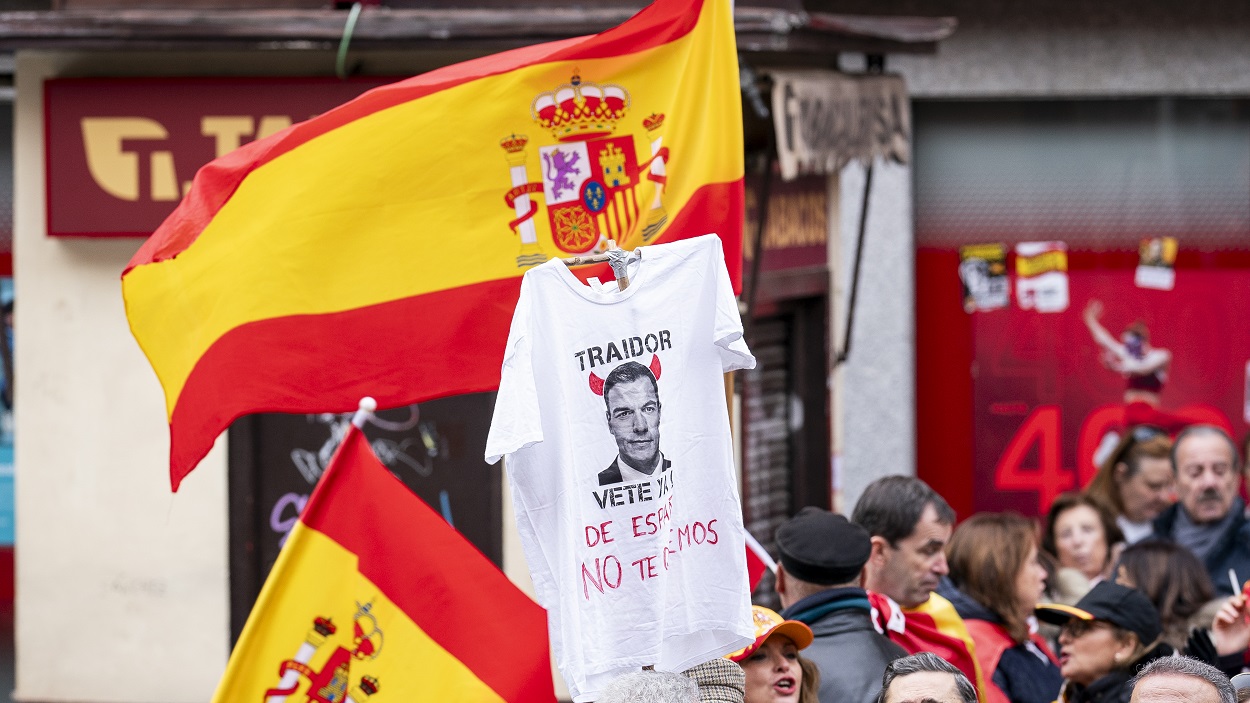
[633, 410]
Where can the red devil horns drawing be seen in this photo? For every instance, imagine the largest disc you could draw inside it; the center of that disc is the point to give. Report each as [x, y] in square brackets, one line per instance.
[596, 383]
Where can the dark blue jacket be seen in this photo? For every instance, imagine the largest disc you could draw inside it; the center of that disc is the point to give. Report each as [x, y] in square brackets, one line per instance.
[1024, 674]
[1231, 550]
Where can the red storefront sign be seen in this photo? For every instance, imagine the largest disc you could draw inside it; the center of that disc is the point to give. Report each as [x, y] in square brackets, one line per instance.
[121, 152]
[1013, 403]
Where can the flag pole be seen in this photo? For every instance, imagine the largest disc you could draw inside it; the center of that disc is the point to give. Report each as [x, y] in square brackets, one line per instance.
[363, 411]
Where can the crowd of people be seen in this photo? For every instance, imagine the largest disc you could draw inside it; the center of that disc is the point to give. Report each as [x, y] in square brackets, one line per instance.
[1132, 590]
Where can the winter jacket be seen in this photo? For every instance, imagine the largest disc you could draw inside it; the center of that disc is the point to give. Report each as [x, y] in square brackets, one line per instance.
[1231, 550]
[1018, 673]
[849, 652]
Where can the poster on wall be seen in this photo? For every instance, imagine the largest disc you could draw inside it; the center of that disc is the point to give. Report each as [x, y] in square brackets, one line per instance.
[983, 273]
[1042, 276]
[1051, 392]
[1156, 267]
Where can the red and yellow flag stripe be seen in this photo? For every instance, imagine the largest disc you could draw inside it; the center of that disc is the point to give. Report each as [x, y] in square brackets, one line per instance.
[437, 621]
[935, 626]
[368, 251]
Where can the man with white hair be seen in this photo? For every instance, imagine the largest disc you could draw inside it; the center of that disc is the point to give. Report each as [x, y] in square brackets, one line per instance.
[1181, 680]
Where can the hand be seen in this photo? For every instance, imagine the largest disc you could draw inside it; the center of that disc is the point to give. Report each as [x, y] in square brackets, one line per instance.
[1231, 628]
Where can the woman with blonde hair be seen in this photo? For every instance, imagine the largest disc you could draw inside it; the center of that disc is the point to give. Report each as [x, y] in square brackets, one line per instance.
[1135, 482]
[993, 561]
[775, 673]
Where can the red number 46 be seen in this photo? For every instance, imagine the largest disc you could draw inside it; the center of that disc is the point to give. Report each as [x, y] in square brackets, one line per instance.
[1048, 479]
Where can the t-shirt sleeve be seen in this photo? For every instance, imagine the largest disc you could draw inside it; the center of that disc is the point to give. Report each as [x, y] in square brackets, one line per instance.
[516, 423]
[727, 332]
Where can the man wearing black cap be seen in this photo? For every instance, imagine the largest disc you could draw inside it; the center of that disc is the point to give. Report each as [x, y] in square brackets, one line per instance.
[818, 579]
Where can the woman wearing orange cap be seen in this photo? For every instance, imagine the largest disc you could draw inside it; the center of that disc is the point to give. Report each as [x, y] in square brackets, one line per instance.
[774, 670]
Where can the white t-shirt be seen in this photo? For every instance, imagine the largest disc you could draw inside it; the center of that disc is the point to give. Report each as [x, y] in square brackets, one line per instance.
[632, 573]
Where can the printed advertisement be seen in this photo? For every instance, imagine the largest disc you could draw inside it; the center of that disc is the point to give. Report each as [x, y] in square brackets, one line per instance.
[1157, 266]
[1047, 391]
[1042, 276]
[983, 272]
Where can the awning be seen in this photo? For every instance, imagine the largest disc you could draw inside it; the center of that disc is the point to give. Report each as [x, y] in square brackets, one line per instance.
[761, 27]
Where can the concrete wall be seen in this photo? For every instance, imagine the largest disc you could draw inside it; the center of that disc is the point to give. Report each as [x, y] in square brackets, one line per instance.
[874, 402]
[121, 585]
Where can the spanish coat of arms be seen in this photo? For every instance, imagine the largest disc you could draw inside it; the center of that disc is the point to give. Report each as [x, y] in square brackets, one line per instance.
[590, 177]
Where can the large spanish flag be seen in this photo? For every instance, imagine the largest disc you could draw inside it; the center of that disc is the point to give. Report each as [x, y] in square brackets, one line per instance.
[377, 249]
[374, 593]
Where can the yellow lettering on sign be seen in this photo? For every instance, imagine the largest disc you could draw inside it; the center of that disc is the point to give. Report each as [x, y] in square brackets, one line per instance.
[993, 252]
[115, 170]
[1042, 263]
[164, 178]
[229, 131]
[118, 171]
[271, 124]
[795, 219]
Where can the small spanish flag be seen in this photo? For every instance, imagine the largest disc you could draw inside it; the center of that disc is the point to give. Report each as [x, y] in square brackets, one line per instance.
[759, 561]
[378, 248]
[375, 594]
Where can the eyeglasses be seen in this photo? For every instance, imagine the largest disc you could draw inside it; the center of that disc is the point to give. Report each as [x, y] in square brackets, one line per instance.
[1143, 433]
[1138, 435]
[1075, 628]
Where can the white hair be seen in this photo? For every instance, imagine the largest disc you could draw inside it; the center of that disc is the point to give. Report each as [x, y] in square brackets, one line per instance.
[650, 687]
[1185, 666]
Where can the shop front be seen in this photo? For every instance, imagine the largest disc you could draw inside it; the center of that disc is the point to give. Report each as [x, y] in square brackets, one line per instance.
[105, 144]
